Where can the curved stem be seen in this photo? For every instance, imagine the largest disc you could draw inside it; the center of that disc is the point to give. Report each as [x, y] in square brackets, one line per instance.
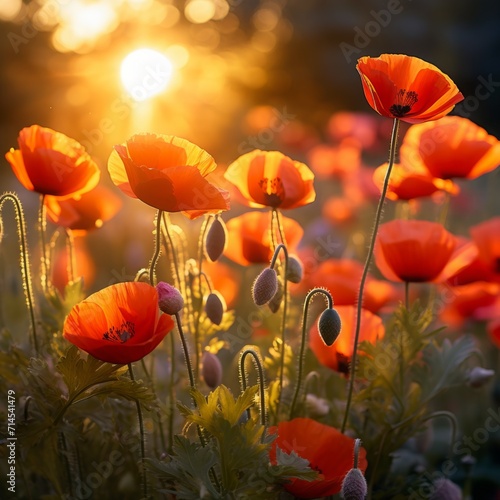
[24, 257]
[143, 439]
[185, 350]
[42, 224]
[281, 246]
[157, 251]
[308, 299]
[243, 380]
[357, 446]
[378, 216]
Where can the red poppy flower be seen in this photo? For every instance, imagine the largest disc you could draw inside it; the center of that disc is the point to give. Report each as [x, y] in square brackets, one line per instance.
[451, 147]
[342, 278]
[335, 161]
[271, 179]
[420, 251]
[83, 213]
[465, 300]
[250, 241]
[119, 324]
[328, 451]
[167, 173]
[337, 356]
[486, 236]
[407, 88]
[408, 182]
[49, 162]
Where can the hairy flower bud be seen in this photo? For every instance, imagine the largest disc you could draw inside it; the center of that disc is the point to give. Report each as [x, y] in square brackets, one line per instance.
[211, 369]
[444, 489]
[316, 407]
[329, 326]
[169, 298]
[354, 485]
[478, 376]
[275, 303]
[215, 307]
[294, 271]
[216, 239]
[265, 286]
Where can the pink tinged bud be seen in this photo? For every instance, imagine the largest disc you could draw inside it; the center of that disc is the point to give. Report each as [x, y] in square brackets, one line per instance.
[265, 286]
[211, 369]
[354, 486]
[275, 303]
[444, 489]
[216, 239]
[215, 307]
[169, 298]
[479, 376]
[329, 326]
[316, 407]
[294, 270]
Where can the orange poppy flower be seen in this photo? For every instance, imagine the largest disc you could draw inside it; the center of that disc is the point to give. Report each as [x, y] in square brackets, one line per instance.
[271, 179]
[451, 147]
[466, 300]
[420, 251]
[250, 241]
[119, 324]
[83, 213]
[342, 278]
[335, 161]
[316, 442]
[49, 162]
[225, 280]
[407, 88]
[486, 236]
[408, 182]
[167, 173]
[337, 356]
[361, 128]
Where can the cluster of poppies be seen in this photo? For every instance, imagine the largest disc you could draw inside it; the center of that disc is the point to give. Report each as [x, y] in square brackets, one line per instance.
[123, 323]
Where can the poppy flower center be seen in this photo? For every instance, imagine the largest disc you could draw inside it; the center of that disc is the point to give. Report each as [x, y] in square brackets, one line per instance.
[404, 102]
[121, 334]
[273, 191]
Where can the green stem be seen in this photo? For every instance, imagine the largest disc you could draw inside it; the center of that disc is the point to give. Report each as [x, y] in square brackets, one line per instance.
[378, 216]
[143, 439]
[308, 299]
[24, 257]
[281, 246]
[42, 224]
[70, 248]
[185, 349]
[407, 295]
[171, 395]
[357, 446]
[157, 251]
[243, 380]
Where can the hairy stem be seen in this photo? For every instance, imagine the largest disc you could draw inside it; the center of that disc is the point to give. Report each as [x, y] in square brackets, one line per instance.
[157, 250]
[260, 379]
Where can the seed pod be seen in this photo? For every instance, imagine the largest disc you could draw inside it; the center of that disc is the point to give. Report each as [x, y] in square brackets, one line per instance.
[275, 303]
[170, 299]
[329, 326]
[354, 485]
[216, 239]
[265, 286]
[444, 489]
[294, 271]
[211, 369]
[215, 307]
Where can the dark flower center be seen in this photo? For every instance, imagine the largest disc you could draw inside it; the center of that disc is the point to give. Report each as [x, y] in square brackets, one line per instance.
[273, 191]
[497, 265]
[405, 101]
[125, 332]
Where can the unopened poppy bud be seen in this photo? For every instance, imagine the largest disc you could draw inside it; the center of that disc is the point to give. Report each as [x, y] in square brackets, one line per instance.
[444, 489]
[479, 376]
[316, 407]
[329, 326]
[215, 242]
[275, 303]
[215, 307]
[354, 485]
[211, 369]
[294, 271]
[169, 298]
[265, 286]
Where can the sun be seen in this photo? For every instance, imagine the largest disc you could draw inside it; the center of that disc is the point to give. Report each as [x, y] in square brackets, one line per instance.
[145, 73]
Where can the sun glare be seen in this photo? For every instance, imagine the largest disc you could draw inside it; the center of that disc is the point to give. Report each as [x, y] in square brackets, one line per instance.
[145, 73]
